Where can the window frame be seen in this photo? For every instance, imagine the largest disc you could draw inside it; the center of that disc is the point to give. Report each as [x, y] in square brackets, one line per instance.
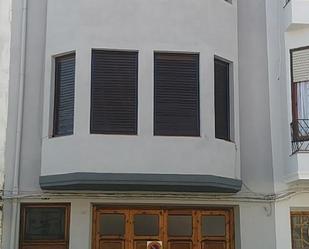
[296, 213]
[294, 84]
[228, 138]
[55, 132]
[296, 136]
[25, 243]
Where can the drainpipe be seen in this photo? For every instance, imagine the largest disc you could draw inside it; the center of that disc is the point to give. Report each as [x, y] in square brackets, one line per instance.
[15, 207]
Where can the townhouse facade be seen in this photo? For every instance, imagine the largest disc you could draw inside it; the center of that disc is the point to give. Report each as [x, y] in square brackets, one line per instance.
[157, 124]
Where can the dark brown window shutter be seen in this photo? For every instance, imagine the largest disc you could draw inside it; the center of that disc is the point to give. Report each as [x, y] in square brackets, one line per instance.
[114, 92]
[64, 95]
[176, 94]
[222, 100]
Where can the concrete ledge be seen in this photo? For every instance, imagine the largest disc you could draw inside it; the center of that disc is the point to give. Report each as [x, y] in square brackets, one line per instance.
[140, 182]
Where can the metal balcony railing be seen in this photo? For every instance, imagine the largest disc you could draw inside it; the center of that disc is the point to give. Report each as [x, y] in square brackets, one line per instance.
[286, 3]
[300, 135]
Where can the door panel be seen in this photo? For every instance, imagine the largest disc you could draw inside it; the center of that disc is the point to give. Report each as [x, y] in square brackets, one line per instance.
[213, 245]
[105, 244]
[45, 246]
[140, 244]
[180, 245]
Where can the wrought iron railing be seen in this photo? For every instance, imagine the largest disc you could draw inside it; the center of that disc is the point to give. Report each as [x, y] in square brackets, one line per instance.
[300, 135]
[287, 2]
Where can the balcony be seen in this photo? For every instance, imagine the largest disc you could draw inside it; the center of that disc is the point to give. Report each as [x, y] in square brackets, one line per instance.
[300, 135]
[299, 160]
[296, 14]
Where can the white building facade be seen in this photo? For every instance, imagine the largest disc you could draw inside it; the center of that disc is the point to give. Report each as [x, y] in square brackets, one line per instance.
[182, 123]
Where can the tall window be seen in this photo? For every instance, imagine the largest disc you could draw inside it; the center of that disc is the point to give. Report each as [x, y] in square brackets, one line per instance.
[300, 92]
[64, 95]
[176, 94]
[114, 92]
[300, 230]
[222, 100]
[44, 226]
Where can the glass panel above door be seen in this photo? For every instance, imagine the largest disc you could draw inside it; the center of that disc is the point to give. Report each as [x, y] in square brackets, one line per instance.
[146, 225]
[112, 224]
[213, 226]
[179, 225]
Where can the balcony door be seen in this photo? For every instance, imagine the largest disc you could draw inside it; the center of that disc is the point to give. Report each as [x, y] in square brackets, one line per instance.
[167, 228]
[300, 98]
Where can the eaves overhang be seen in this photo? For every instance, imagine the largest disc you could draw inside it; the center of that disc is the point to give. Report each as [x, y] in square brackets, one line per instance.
[140, 182]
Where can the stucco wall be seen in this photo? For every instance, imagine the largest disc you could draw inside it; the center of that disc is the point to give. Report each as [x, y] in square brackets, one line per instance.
[298, 202]
[297, 166]
[254, 107]
[253, 221]
[176, 25]
[195, 27]
[4, 76]
[4, 81]
[30, 157]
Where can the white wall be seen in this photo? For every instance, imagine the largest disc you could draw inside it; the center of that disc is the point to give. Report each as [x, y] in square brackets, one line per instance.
[254, 221]
[30, 157]
[298, 202]
[254, 105]
[286, 168]
[297, 167]
[4, 82]
[148, 26]
[164, 25]
[4, 76]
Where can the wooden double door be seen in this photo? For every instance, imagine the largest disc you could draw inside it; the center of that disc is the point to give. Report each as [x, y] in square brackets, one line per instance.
[132, 228]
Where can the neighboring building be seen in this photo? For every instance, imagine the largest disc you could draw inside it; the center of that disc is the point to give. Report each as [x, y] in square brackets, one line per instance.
[288, 63]
[4, 85]
[164, 120]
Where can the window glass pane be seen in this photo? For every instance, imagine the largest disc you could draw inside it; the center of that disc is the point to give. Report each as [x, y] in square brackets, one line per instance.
[213, 225]
[179, 225]
[112, 224]
[145, 224]
[303, 100]
[45, 223]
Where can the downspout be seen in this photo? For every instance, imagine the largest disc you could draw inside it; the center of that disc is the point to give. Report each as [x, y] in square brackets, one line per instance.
[15, 207]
